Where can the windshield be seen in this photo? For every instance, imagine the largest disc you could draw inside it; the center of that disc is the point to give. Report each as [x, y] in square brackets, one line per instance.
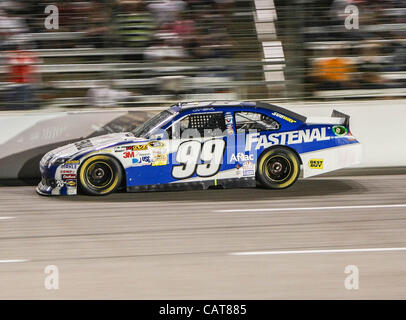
[154, 123]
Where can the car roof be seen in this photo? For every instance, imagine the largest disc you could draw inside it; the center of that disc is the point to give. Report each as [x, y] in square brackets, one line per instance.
[242, 104]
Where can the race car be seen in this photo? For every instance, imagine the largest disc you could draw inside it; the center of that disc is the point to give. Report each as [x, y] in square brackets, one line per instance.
[204, 145]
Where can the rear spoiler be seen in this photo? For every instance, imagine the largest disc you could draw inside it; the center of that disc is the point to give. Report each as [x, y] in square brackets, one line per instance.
[338, 114]
[336, 118]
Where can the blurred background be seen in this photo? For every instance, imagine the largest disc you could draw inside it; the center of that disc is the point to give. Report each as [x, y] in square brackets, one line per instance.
[142, 55]
[115, 53]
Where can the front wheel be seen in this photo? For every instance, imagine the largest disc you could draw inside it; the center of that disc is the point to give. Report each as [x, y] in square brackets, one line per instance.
[278, 168]
[100, 175]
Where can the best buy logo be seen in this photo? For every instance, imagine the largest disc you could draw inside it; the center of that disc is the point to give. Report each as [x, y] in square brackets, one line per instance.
[316, 163]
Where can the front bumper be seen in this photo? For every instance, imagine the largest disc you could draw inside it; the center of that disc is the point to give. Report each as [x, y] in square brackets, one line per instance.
[53, 182]
[43, 189]
[61, 189]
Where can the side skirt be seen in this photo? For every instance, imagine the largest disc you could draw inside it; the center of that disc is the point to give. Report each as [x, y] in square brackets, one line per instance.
[198, 185]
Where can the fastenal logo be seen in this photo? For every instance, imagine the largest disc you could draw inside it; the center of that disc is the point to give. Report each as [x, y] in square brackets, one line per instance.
[285, 138]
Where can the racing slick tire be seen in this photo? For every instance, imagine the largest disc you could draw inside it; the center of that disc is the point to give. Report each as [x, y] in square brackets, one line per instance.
[100, 175]
[278, 168]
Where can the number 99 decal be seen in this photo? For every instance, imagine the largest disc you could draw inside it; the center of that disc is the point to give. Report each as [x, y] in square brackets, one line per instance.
[190, 153]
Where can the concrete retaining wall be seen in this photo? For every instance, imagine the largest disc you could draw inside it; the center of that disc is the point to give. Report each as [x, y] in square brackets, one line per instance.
[379, 125]
[26, 137]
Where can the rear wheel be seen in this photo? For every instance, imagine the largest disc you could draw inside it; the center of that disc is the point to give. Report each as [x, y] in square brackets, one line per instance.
[278, 168]
[100, 175]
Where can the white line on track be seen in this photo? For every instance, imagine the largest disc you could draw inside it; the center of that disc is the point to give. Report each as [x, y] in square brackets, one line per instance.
[258, 253]
[6, 218]
[376, 206]
[12, 261]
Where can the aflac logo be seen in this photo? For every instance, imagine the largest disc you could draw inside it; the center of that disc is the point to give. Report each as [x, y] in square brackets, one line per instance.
[241, 157]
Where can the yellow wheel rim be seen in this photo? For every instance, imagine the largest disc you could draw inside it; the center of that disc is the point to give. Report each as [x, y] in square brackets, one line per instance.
[293, 163]
[276, 167]
[89, 168]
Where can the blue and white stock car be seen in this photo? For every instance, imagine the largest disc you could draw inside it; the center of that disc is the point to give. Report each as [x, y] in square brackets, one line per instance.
[204, 145]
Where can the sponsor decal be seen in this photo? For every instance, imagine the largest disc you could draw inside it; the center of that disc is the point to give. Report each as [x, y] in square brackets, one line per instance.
[248, 168]
[72, 162]
[281, 116]
[71, 183]
[229, 118]
[120, 149]
[229, 123]
[146, 160]
[71, 191]
[142, 160]
[240, 157]
[69, 166]
[156, 144]
[67, 171]
[83, 144]
[316, 163]
[203, 109]
[68, 176]
[160, 159]
[285, 138]
[238, 170]
[340, 130]
[128, 155]
[138, 147]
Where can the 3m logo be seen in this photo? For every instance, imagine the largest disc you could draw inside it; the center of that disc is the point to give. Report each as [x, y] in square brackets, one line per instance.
[128, 154]
[316, 163]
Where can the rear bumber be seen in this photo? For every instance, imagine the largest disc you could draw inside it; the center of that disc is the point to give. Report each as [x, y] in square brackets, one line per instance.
[334, 158]
[331, 159]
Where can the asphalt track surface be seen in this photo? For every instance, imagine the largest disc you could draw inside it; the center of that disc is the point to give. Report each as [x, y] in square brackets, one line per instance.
[216, 244]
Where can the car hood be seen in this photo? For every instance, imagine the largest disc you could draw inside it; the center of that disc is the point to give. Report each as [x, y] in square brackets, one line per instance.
[94, 144]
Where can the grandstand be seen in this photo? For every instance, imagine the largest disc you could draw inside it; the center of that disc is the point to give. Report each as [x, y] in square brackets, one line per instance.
[332, 61]
[204, 49]
[152, 52]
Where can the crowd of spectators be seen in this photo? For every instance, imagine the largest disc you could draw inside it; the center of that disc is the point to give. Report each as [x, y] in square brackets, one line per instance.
[157, 30]
[190, 24]
[357, 48]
